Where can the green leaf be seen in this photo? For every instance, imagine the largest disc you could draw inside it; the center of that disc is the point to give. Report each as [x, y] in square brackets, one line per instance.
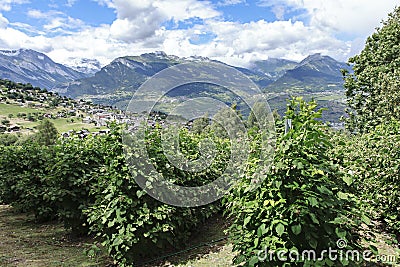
[342, 195]
[373, 249]
[340, 233]
[313, 243]
[246, 220]
[314, 218]
[117, 241]
[261, 230]
[280, 228]
[296, 229]
[348, 180]
[365, 219]
[140, 193]
[298, 164]
[313, 201]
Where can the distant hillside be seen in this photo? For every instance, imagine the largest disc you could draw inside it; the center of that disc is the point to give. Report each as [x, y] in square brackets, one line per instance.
[121, 78]
[315, 73]
[316, 76]
[125, 74]
[273, 68]
[23, 107]
[29, 66]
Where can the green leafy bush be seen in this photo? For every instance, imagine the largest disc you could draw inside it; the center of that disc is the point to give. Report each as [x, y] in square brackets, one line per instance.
[132, 224]
[372, 161]
[72, 176]
[51, 181]
[302, 204]
[24, 172]
[372, 90]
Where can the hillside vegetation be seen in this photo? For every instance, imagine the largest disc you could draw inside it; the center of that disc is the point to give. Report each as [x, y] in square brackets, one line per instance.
[23, 107]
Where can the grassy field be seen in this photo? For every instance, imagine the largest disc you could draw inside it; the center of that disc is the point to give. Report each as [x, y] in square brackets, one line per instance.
[62, 124]
[330, 97]
[6, 109]
[208, 247]
[26, 243]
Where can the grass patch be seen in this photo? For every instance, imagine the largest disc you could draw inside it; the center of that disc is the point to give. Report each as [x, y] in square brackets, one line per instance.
[25, 243]
[6, 109]
[330, 97]
[64, 125]
[208, 246]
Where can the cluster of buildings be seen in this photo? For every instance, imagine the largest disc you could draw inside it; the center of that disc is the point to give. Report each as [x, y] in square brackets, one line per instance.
[53, 106]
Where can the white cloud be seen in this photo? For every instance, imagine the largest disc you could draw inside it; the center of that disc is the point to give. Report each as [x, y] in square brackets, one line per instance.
[138, 28]
[70, 3]
[230, 2]
[138, 20]
[107, 3]
[356, 17]
[6, 5]
[279, 11]
[56, 21]
[3, 22]
[64, 23]
[37, 14]
[27, 28]
[239, 44]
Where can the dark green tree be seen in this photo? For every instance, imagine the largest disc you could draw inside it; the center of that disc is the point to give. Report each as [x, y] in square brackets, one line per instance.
[261, 111]
[372, 91]
[200, 124]
[226, 120]
[8, 139]
[47, 134]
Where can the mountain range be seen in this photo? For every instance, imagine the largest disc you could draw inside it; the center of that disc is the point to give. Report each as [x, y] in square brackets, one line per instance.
[29, 66]
[316, 76]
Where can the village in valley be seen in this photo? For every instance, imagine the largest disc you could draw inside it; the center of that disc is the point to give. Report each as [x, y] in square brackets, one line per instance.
[24, 106]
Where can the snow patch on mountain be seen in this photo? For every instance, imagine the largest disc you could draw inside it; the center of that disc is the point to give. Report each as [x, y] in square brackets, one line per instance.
[84, 65]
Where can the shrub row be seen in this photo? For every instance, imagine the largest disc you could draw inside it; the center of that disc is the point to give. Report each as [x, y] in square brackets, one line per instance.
[87, 184]
[303, 204]
[372, 161]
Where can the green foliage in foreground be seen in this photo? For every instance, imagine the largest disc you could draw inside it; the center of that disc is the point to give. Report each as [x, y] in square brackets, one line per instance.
[86, 184]
[302, 204]
[24, 179]
[372, 91]
[372, 161]
[134, 225]
[308, 198]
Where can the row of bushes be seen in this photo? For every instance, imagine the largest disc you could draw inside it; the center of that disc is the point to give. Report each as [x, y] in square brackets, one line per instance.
[372, 161]
[303, 204]
[322, 191]
[86, 184]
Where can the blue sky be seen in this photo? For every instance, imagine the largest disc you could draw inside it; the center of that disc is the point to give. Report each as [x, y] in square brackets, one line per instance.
[234, 31]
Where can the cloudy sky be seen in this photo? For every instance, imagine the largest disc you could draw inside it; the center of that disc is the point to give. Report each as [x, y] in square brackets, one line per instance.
[233, 31]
